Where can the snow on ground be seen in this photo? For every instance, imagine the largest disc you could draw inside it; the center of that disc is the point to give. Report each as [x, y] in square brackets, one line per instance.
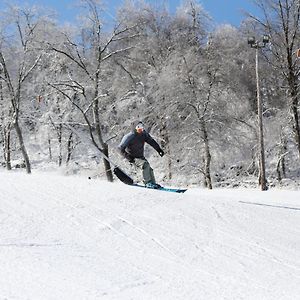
[73, 238]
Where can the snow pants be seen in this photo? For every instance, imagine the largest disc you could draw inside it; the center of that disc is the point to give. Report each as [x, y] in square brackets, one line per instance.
[147, 171]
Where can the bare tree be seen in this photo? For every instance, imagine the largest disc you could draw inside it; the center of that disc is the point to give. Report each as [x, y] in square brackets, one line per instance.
[18, 59]
[201, 105]
[5, 125]
[87, 59]
[200, 84]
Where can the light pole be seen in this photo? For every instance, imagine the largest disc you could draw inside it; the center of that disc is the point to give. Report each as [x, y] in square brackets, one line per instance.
[262, 168]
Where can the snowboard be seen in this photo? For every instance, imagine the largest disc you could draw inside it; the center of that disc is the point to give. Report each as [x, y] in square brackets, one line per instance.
[128, 180]
[165, 189]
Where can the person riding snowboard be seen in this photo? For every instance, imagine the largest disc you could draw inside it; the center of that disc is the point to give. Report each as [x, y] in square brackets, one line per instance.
[132, 148]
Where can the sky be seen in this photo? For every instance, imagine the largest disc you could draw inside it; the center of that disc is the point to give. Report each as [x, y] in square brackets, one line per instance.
[222, 11]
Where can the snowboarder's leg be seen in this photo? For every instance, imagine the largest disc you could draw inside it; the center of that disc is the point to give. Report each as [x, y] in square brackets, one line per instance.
[135, 169]
[148, 173]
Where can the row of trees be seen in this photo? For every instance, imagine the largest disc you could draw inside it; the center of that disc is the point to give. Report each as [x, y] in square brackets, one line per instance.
[193, 85]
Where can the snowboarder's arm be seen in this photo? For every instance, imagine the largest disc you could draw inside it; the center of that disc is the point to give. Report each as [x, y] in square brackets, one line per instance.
[123, 145]
[151, 141]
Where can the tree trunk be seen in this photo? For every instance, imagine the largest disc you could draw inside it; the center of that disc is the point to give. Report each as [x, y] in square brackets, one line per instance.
[280, 168]
[296, 127]
[49, 148]
[69, 147]
[284, 151]
[59, 138]
[22, 146]
[293, 87]
[108, 170]
[166, 146]
[6, 146]
[207, 159]
[107, 167]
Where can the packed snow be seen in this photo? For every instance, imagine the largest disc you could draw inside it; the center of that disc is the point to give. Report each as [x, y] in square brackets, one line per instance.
[67, 237]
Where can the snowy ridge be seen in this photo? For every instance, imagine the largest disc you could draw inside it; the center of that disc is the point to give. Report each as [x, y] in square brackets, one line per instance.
[72, 238]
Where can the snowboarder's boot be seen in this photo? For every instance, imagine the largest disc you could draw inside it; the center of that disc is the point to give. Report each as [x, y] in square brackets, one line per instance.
[152, 185]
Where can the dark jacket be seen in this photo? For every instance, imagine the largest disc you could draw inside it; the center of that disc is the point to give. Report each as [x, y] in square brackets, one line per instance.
[132, 144]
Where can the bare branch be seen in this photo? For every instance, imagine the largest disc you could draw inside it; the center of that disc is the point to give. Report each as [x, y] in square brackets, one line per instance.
[82, 66]
[116, 52]
[31, 68]
[83, 114]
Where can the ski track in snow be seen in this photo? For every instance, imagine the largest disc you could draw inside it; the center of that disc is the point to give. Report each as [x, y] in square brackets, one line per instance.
[71, 238]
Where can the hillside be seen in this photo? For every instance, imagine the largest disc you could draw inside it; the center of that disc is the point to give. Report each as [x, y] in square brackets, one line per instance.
[66, 237]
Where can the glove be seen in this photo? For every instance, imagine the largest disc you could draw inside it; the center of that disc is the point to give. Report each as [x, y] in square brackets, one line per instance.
[161, 153]
[129, 158]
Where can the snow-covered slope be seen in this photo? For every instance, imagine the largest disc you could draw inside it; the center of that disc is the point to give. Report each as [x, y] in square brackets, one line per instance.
[72, 238]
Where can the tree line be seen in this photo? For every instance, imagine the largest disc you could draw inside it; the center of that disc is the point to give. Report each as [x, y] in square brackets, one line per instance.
[63, 87]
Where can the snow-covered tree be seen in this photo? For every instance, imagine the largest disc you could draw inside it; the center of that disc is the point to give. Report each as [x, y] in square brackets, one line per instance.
[89, 51]
[19, 56]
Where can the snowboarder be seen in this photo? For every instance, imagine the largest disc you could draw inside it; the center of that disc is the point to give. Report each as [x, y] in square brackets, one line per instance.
[132, 148]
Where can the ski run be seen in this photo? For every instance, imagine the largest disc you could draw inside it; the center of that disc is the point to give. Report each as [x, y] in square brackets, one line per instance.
[68, 238]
